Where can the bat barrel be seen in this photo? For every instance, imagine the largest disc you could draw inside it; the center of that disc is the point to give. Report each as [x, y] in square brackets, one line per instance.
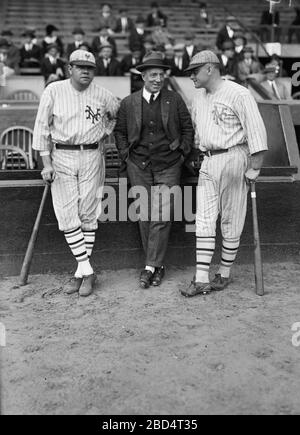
[258, 267]
[30, 248]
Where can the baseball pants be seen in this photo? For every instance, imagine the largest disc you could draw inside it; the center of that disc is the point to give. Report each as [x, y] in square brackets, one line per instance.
[76, 190]
[222, 189]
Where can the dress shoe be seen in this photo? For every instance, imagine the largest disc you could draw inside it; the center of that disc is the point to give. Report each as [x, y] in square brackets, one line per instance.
[73, 285]
[88, 284]
[158, 276]
[146, 278]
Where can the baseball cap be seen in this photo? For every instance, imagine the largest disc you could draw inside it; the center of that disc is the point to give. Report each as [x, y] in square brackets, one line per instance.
[201, 58]
[82, 58]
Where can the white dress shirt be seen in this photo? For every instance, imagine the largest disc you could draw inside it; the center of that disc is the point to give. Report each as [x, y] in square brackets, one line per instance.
[147, 95]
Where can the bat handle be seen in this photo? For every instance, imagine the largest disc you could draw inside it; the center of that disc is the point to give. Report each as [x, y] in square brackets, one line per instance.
[259, 281]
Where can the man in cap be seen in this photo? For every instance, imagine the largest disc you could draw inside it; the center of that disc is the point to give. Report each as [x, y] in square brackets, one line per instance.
[31, 53]
[103, 39]
[74, 117]
[78, 35]
[230, 132]
[13, 53]
[106, 63]
[275, 88]
[226, 58]
[154, 134]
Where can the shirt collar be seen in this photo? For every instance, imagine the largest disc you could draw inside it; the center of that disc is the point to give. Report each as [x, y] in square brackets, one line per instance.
[147, 95]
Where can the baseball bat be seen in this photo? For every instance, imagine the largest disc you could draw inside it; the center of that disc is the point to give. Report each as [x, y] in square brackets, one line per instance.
[258, 267]
[30, 248]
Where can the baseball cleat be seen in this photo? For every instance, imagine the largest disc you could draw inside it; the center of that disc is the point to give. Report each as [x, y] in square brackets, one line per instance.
[73, 285]
[196, 288]
[158, 276]
[146, 279]
[219, 283]
[88, 285]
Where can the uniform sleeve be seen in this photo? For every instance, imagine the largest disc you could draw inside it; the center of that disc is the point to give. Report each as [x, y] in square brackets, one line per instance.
[112, 107]
[252, 123]
[44, 119]
[196, 143]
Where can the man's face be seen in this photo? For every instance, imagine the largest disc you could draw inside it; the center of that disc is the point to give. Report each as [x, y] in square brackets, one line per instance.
[82, 75]
[200, 76]
[106, 10]
[154, 79]
[53, 52]
[78, 37]
[229, 53]
[106, 53]
[247, 55]
[271, 75]
[27, 39]
[189, 42]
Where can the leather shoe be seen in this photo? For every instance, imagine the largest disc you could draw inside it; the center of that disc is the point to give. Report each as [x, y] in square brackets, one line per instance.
[219, 283]
[146, 278]
[88, 284]
[73, 285]
[196, 288]
[158, 276]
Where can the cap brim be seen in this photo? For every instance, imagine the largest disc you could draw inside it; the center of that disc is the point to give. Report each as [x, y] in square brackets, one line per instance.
[82, 63]
[149, 66]
[198, 65]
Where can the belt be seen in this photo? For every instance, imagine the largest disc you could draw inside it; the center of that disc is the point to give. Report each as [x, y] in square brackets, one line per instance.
[80, 147]
[211, 153]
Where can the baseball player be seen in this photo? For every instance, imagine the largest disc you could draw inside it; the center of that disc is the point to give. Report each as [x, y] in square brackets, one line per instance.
[74, 116]
[230, 132]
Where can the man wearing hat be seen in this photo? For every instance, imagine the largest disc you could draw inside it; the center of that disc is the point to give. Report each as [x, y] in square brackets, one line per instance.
[106, 64]
[78, 35]
[138, 34]
[31, 53]
[230, 132]
[52, 66]
[52, 38]
[154, 134]
[190, 49]
[13, 53]
[274, 87]
[226, 58]
[6, 70]
[247, 67]
[74, 117]
[103, 39]
[226, 32]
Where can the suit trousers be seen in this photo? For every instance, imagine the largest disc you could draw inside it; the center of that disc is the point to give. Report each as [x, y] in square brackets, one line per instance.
[157, 204]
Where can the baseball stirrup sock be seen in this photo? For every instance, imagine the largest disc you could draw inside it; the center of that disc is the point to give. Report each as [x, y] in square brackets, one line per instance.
[229, 253]
[205, 247]
[76, 242]
[89, 237]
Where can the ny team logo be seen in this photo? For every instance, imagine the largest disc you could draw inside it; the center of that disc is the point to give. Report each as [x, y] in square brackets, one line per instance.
[92, 115]
[220, 113]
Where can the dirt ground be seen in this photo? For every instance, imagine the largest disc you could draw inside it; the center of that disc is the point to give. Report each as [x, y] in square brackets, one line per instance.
[131, 351]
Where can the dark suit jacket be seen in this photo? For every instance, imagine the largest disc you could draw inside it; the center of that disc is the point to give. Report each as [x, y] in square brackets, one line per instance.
[136, 40]
[186, 57]
[34, 53]
[126, 63]
[151, 21]
[266, 18]
[47, 68]
[96, 44]
[129, 27]
[222, 37]
[114, 68]
[176, 121]
[175, 71]
[59, 44]
[229, 69]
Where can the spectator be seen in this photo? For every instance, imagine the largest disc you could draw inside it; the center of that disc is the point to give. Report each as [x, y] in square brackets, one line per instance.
[240, 42]
[148, 44]
[226, 32]
[138, 34]
[156, 16]
[52, 38]
[84, 46]
[296, 32]
[106, 20]
[104, 39]
[204, 19]
[278, 62]
[267, 21]
[106, 64]
[78, 35]
[161, 37]
[5, 68]
[190, 49]
[128, 67]
[275, 89]
[227, 67]
[176, 62]
[13, 53]
[52, 66]
[30, 52]
[247, 67]
[124, 23]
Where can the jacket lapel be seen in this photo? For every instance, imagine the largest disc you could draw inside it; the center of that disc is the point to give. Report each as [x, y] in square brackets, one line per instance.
[165, 110]
[137, 108]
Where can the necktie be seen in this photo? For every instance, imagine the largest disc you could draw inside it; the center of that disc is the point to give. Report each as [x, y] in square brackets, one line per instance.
[152, 98]
[275, 91]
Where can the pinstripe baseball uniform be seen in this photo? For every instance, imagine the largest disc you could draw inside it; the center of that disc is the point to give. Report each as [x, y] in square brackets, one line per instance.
[67, 116]
[228, 119]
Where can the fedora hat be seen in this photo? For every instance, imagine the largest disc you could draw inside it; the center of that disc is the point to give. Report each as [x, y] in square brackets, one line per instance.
[153, 59]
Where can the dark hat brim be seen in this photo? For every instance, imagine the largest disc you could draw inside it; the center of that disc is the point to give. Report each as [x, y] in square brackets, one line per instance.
[198, 65]
[149, 65]
[83, 63]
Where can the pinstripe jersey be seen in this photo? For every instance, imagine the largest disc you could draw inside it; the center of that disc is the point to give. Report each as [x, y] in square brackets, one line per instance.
[227, 118]
[68, 116]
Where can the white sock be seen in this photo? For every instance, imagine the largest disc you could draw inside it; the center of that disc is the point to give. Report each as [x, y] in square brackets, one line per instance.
[151, 268]
[78, 273]
[86, 268]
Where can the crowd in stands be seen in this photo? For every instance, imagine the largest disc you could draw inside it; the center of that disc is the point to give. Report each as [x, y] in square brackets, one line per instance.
[50, 56]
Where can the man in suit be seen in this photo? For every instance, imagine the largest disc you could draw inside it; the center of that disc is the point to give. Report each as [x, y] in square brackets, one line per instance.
[78, 35]
[106, 20]
[103, 39]
[276, 89]
[154, 134]
[124, 23]
[190, 49]
[52, 66]
[128, 66]
[226, 32]
[138, 34]
[227, 65]
[204, 19]
[269, 19]
[156, 16]
[106, 64]
[30, 52]
[247, 66]
[175, 60]
[13, 53]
